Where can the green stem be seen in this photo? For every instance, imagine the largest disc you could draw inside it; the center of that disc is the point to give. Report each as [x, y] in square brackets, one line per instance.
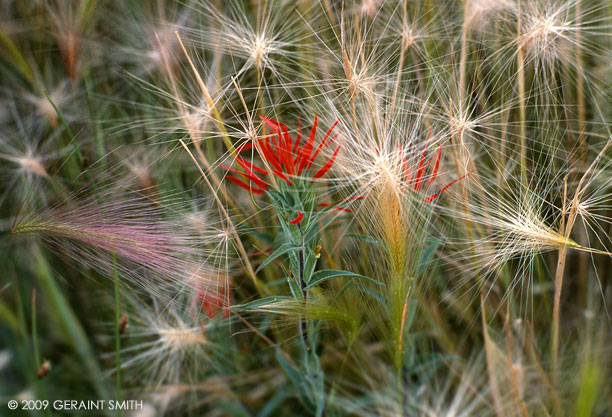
[18, 59]
[117, 334]
[35, 347]
[34, 335]
[94, 117]
[73, 142]
[520, 57]
[68, 322]
[303, 324]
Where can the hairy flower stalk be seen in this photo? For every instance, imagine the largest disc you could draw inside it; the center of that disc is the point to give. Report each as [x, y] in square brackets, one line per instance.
[400, 205]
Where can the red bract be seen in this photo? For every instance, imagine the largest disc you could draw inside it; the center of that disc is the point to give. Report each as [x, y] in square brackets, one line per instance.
[348, 200]
[283, 156]
[298, 218]
[415, 182]
[213, 300]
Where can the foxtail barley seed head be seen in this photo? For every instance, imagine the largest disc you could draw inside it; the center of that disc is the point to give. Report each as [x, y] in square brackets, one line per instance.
[139, 237]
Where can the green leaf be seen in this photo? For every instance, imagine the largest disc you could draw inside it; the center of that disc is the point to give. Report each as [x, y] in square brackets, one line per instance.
[234, 409]
[343, 289]
[295, 288]
[269, 239]
[68, 320]
[427, 255]
[291, 372]
[8, 317]
[283, 249]
[17, 58]
[374, 293]
[364, 238]
[273, 403]
[261, 302]
[590, 387]
[325, 274]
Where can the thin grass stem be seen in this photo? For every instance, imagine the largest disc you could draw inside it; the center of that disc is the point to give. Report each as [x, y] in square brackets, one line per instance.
[117, 334]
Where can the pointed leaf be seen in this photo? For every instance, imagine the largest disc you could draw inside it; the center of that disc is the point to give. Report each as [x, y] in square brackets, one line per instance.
[292, 373]
[260, 302]
[282, 250]
[274, 402]
[364, 238]
[427, 255]
[321, 276]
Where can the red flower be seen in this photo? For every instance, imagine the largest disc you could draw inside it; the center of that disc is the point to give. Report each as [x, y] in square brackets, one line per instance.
[298, 218]
[284, 156]
[417, 182]
[213, 300]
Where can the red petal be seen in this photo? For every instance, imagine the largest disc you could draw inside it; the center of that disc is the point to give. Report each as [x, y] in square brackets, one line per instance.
[436, 167]
[281, 145]
[354, 198]
[418, 181]
[406, 167]
[298, 219]
[274, 124]
[285, 143]
[329, 132]
[304, 152]
[348, 210]
[244, 185]
[250, 166]
[319, 149]
[268, 154]
[323, 143]
[244, 147]
[281, 153]
[209, 302]
[328, 165]
[433, 197]
[282, 176]
[289, 151]
[212, 301]
[298, 139]
[249, 175]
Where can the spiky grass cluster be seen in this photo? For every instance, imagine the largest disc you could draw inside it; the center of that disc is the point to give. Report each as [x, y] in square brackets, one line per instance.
[406, 206]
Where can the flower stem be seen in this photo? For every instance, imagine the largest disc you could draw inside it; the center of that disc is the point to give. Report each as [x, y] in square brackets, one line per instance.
[35, 347]
[520, 60]
[566, 228]
[303, 324]
[556, 310]
[34, 336]
[117, 334]
[68, 322]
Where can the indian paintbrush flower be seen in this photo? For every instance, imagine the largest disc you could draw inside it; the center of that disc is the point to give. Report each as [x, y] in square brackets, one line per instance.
[282, 156]
[287, 160]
